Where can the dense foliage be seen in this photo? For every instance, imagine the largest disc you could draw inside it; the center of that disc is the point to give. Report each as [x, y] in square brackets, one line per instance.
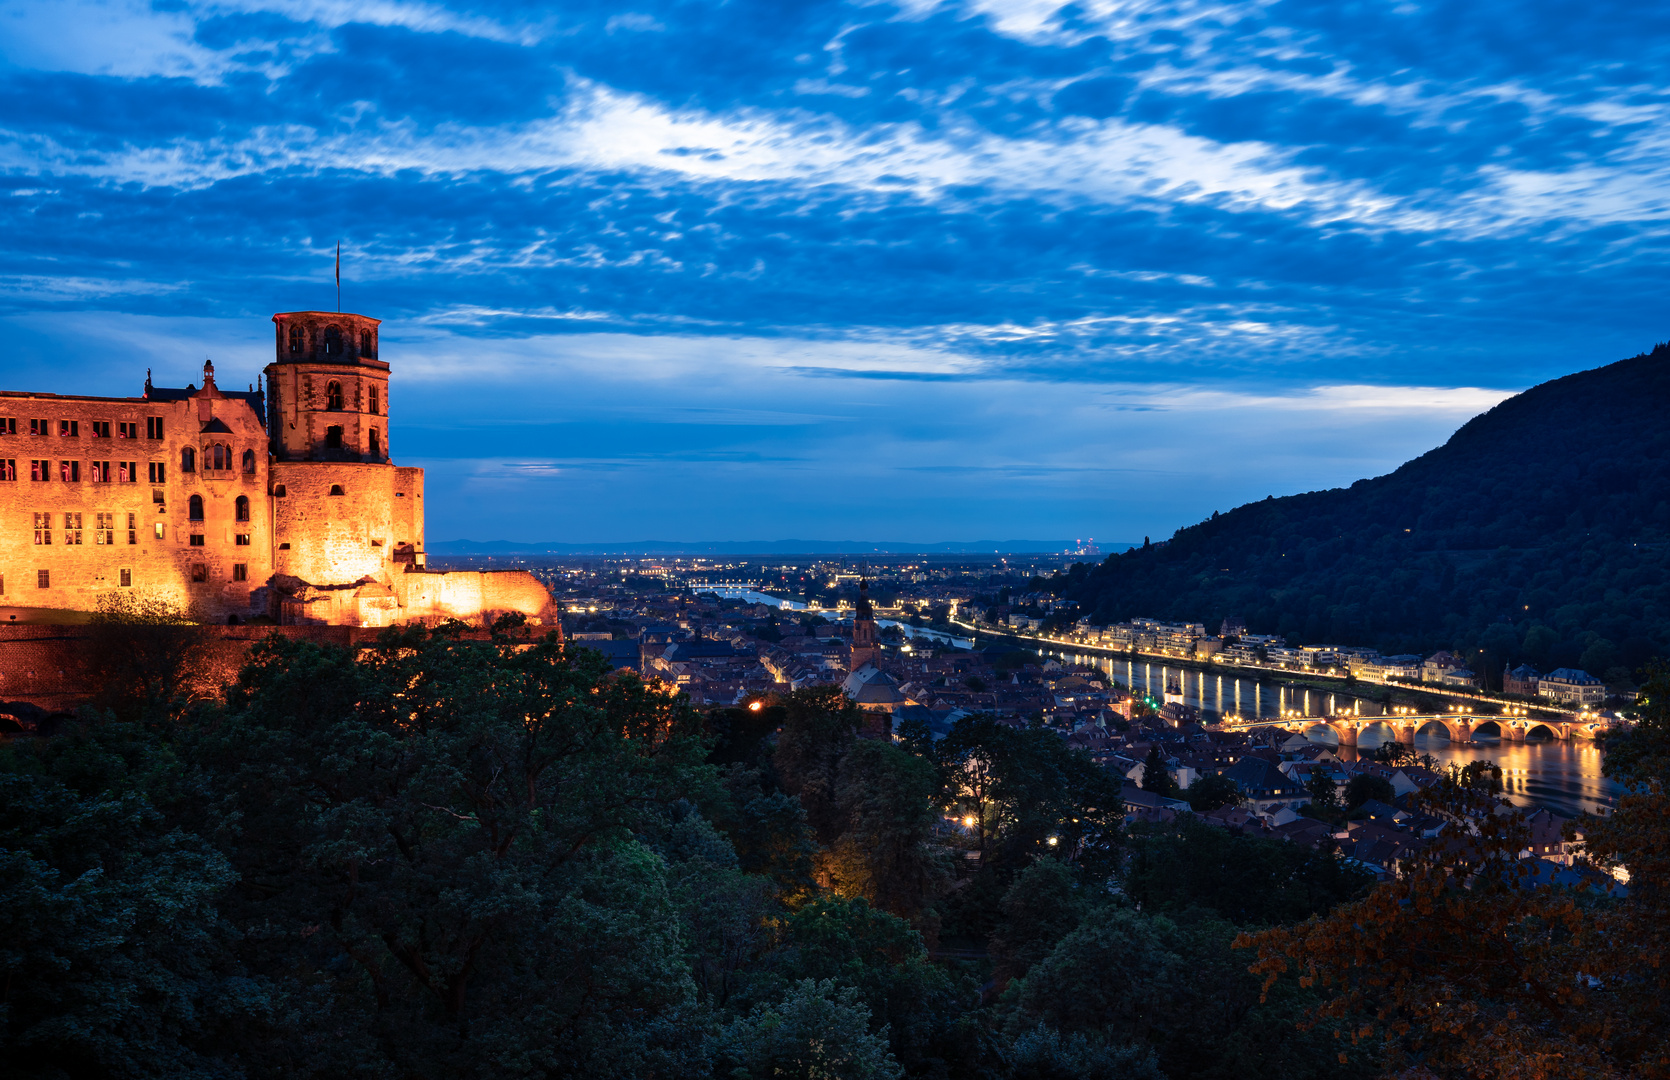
[459, 858]
[1540, 532]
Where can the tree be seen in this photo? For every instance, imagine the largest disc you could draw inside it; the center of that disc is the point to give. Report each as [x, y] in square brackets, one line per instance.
[1212, 793]
[1365, 786]
[886, 796]
[145, 654]
[1156, 774]
[1043, 906]
[815, 1032]
[819, 725]
[1324, 793]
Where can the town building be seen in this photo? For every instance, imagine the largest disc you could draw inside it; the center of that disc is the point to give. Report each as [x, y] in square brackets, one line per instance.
[280, 502]
[1570, 686]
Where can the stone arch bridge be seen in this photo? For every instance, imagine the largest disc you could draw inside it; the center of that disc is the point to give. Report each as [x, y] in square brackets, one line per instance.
[1460, 728]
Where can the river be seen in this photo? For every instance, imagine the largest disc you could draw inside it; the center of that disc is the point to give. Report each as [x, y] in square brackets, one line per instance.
[1562, 776]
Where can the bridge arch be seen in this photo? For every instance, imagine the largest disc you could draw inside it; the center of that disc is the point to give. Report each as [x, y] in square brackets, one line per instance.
[1322, 732]
[1489, 729]
[1376, 733]
[1541, 731]
[1436, 727]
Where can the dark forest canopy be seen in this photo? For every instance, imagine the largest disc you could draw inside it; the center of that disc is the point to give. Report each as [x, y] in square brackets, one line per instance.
[1539, 532]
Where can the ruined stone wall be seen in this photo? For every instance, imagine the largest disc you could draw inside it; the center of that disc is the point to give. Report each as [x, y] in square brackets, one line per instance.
[84, 532]
[339, 538]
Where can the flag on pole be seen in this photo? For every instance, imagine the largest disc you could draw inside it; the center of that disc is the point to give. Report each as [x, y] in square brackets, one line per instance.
[339, 275]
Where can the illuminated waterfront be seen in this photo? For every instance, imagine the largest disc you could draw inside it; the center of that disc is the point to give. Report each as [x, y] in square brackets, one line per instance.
[1563, 776]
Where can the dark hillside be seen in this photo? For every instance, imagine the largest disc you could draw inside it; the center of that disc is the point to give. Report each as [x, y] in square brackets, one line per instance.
[1539, 532]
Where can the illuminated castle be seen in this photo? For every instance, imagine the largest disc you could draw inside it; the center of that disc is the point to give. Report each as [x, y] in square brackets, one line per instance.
[281, 502]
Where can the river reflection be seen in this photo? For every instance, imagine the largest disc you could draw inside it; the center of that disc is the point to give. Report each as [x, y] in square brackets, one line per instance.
[1563, 776]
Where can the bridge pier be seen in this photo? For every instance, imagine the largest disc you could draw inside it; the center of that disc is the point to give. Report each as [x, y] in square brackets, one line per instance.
[1347, 734]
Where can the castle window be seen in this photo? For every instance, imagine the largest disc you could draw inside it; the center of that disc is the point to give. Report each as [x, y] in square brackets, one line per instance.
[133, 528]
[376, 444]
[101, 471]
[240, 572]
[43, 579]
[333, 438]
[333, 341]
[297, 337]
[333, 396]
[241, 540]
[199, 571]
[8, 425]
[69, 472]
[72, 528]
[196, 539]
[8, 468]
[278, 491]
[40, 470]
[69, 429]
[188, 460]
[366, 347]
[127, 472]
[43, 528]
[153, 427]
[125, 580]
[161, 531]
[101, 429]
[242, 511]
[105, 533]
[336, 489]
[127, 430]
[284, 547]
[40, 427]
[376, 402]
[196, 511]
[158, 472]
[217, 457]
[249, 461]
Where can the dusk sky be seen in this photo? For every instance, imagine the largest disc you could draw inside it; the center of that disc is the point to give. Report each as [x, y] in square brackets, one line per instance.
[910, 271]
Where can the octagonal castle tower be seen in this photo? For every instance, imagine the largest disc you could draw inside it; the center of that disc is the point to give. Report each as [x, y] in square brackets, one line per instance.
[347, 523]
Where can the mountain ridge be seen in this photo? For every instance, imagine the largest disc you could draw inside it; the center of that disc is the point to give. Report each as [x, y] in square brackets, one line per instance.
[1538, 532]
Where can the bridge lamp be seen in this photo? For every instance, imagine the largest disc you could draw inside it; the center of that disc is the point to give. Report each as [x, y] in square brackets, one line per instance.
[1054, 840]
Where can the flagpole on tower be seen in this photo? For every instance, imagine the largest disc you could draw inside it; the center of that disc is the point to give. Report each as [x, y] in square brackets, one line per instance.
[339, 277]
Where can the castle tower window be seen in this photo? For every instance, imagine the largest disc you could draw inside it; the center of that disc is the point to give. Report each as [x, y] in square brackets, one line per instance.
[333, 341]
[188, 460]
[249, 461]
[240, 572]
[336, 489]
[242, 511]
[376, 444]
[333, 396]
[196, 511]
[333, 438]
[199, 571]
[366, 346]
[297, 337]
[376, 402]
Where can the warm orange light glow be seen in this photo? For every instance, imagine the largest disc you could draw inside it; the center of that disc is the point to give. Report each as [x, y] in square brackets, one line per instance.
[755, 706]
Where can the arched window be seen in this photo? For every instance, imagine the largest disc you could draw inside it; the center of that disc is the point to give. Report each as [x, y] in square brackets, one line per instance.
[375, 400]
[376, 444]
[333, 341]
[217, 457]
[196, 511]
[242, 510]
[297, 337]
[366, 348]
[249, 461]
[333, 396]
[188, 460]
[336, 489]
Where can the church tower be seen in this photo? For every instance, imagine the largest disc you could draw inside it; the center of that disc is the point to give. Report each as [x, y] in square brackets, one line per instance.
[865, 649]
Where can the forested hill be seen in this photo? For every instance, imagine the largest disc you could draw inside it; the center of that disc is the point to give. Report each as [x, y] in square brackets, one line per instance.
[1538, 532]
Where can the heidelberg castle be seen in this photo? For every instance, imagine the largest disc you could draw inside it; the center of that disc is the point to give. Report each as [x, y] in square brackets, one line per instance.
[280, 502]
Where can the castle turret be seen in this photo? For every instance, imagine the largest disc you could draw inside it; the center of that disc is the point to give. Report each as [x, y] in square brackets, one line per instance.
[327, 391]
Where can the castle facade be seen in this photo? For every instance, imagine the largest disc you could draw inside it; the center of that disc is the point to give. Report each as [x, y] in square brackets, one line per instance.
[281, 501]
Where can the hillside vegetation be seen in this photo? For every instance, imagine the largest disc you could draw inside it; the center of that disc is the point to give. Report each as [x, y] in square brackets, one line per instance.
[1539, 532]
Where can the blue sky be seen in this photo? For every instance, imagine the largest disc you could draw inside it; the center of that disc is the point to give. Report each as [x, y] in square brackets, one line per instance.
[919, 271]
